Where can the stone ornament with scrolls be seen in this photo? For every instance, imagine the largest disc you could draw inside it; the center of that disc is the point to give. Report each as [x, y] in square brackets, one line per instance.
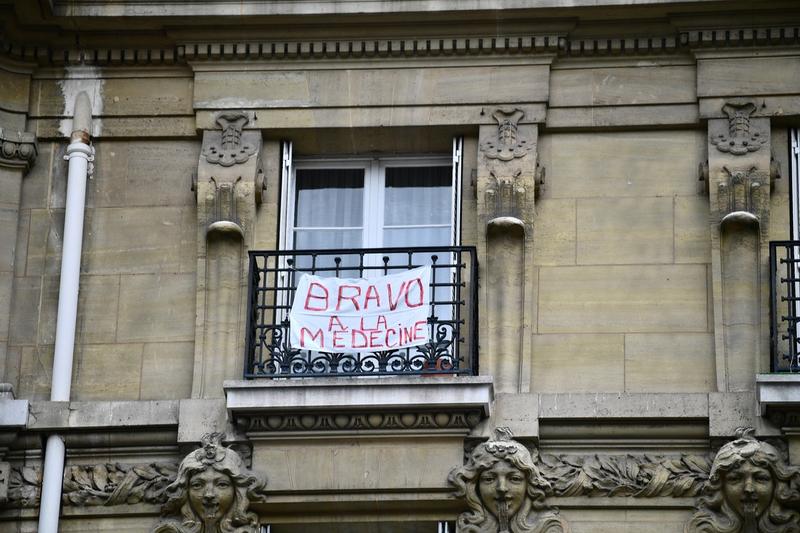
[504, 490]
[751, 489]
[18, 149]
[212, 493]
[741, 137]
[231, 149]
[508, 144]
[742, 191]
[509, 171]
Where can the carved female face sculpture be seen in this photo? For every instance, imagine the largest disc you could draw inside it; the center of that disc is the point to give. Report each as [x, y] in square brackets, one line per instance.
[502, 489]
[748, 489]
[211, 495]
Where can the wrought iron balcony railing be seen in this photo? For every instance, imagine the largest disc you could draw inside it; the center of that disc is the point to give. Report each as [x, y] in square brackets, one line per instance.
[452, 318]
[784, 264]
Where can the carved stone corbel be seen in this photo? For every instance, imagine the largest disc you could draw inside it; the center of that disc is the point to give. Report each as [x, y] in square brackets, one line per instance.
[510, 181]
[229, 184]
[739, 177]
[742, 194]
[229, 172]
[506, 186]
[505, 198]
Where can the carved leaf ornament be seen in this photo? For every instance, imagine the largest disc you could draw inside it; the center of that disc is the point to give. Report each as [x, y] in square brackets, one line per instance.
[103, 484]
[24, 487]
[115, 484]
[625, 475]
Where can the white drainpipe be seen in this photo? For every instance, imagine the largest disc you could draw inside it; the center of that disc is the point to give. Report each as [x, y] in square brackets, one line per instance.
[79, 155]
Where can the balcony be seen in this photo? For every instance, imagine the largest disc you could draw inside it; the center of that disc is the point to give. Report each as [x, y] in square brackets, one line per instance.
[452, 318]
[779, 392]
[784, 264]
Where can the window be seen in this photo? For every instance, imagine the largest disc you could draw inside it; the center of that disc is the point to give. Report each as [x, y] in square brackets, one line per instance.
[405, 212]
[370, 203]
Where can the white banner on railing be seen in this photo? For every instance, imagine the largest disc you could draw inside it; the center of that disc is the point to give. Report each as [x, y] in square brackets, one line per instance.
[361, 315]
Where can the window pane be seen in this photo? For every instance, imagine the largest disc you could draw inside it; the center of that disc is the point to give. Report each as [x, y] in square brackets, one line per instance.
[330, 197]
[406, 237]
[326, 265]
[418, 195]
[327, 239]
[414, 237]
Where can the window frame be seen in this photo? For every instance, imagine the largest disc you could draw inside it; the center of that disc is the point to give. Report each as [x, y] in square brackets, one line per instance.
[373, 222]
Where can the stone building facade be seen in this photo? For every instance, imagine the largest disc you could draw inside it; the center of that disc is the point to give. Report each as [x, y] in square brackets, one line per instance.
[602, 181]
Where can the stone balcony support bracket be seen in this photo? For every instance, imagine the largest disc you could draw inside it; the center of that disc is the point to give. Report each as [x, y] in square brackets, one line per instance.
[778, 392]
[778, 398]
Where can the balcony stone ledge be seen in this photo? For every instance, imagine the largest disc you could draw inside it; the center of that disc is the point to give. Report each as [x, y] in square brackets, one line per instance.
[778, 393]
[326, 405]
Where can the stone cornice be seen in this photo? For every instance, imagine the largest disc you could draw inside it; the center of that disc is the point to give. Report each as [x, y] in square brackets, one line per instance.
[172, 9]
[373, 48]
[560, 43]
[18, 149]
[734, 37]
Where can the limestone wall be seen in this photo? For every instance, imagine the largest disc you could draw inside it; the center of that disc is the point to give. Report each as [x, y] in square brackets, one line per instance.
[622, 323]
[136, 319]
[622, 249]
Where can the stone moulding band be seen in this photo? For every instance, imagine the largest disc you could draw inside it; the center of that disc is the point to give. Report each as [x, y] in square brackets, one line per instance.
[465, 420]
[593, 476]
[430, 47]
[103, 484]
